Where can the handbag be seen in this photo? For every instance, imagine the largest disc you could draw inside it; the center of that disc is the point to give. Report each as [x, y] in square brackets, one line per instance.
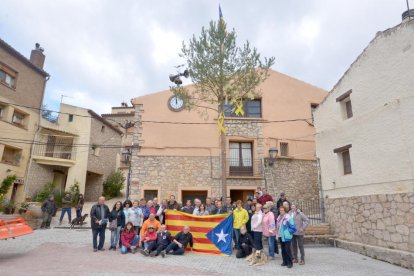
[291, 226]
[113, 225]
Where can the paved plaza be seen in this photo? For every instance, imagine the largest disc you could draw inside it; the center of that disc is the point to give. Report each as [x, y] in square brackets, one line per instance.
[69, 252]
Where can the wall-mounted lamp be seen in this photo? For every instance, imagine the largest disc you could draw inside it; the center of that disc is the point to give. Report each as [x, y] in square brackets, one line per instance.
[272, 155]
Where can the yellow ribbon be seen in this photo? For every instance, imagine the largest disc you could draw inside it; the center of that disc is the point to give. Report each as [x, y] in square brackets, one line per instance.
[220, 123]
[239, 109]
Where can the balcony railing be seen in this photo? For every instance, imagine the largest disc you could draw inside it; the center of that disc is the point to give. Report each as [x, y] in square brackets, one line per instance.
[55, 146]
[236, 167]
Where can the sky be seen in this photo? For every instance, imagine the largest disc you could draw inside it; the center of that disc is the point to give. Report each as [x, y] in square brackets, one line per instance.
[100, 53]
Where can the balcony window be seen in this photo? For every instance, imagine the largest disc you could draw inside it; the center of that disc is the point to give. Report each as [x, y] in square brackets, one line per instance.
[241, 159]
[251, 108]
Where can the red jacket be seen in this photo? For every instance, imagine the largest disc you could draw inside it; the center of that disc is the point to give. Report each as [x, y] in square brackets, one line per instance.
[265, 198]
[126, 238]
[152, 236]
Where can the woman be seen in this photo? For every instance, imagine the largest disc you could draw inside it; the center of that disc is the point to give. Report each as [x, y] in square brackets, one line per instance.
[161, 211]
[129, 239]
[79, 206]
[240, 218]
[301, 222]
[284, 236]
[202, 211]
[127, 205]
[269, 228]
[257, 227]
[135, 216]
[116, 219]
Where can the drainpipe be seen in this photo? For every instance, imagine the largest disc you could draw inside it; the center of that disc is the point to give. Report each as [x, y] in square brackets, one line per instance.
[321, 199]
[29, 164]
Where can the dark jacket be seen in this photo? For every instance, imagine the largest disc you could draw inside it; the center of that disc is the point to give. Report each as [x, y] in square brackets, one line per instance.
[67, 201]
[49, 206]
[173, 206]
[246, 239]
[188, 210]
[280, 203]
[163, 238]
[120, 216]
[81, 201]
[229, 208]
[96, 215]
[184, 239]
[223, 210]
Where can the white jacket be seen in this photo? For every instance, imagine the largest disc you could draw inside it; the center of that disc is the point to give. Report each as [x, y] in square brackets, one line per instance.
[256, 222]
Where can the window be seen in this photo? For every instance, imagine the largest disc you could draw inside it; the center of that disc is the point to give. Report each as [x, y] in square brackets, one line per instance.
[7, 76]
[11, 156]
[18, 119]
[1, 111]
[346, 105]
[70, 118]
[150, 194]
[284, 149]
[241, 159]
[103, 129]
[313, 108]
[251, 108]
[344, 158]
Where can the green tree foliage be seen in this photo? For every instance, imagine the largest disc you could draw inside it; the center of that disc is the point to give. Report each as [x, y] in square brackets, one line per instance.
[47, 190]
[113, 184]
[49, 115]
[6, 184]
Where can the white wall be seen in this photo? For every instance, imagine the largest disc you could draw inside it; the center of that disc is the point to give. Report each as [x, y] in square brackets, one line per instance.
[382, 129]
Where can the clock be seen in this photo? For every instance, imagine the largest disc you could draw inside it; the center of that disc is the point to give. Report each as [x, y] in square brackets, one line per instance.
[175, 103]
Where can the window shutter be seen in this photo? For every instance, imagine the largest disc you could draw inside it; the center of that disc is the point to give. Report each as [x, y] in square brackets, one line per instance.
[346, 159]
[348, 106]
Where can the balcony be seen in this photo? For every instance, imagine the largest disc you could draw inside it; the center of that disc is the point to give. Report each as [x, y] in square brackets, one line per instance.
[244, 169]
[55, 150]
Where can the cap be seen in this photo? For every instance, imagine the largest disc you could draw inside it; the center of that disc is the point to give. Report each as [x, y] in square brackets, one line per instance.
[282, 193]
[151, 226]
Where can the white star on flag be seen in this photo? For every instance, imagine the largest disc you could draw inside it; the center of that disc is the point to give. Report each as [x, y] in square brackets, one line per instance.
[221, 236]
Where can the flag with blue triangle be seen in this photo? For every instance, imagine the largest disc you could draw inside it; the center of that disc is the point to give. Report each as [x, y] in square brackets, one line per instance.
[221, 235]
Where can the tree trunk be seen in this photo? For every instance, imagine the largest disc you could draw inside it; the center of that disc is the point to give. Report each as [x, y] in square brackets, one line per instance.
[223, 166]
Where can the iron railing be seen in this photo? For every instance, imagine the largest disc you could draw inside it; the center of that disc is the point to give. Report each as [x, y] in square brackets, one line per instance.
[312, 209]
[236, 167]
[55, 146]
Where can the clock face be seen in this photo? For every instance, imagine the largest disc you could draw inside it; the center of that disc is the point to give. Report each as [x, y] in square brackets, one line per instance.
[175, 103]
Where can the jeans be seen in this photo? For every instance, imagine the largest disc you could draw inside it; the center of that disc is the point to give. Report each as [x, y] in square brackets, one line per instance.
[115, 236]
[78, 213]
[47, 218]
[257, 238]
[243, 252]
[69, 211]
[101, 233]
[160, 248]
[271, 242]
[236, 235]
[297, 241]
[286, 253]
[150, 245]
[176, 250]
[134, 242]
[137, 229]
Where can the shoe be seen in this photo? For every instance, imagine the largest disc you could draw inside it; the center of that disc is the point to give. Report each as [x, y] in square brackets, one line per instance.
[102, 249]
[295, 261]
[114, 248]
[302, 262]
[110, 248]
[144, 252]
[283, 264]
[272, 258]
[153, 254]
[47, 227]
[162, 254]
[95, 250]
[60, 223]
[290, 265]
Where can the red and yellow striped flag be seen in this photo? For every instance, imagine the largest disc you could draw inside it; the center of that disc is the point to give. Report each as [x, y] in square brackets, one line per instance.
[199, 227]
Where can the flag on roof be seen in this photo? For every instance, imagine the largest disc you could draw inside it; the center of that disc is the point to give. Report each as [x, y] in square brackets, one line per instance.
[211, 234]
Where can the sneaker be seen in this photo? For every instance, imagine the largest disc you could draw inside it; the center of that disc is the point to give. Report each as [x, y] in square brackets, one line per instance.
[95, 250]
[290, 265]
[153, 254]
[271, 258]
[163, 253]
[302, 262]
[114, 248]
[60, 223]
[110, 248]
[144, 252]
[102, 249]
[295, 261]
[283, 264]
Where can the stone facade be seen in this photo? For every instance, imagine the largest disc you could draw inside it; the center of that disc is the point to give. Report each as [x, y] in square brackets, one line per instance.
[378, 220]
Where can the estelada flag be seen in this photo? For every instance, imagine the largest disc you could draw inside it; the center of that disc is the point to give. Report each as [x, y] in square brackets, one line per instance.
[211, 234]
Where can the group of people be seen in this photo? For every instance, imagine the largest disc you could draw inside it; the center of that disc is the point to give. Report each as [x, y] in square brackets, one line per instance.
[142, 224]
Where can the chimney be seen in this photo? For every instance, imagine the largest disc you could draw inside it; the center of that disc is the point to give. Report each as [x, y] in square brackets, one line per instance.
[37, 57]
[407, 15]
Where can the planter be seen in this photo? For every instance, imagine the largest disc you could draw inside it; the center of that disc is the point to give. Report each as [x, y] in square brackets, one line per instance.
[34, 210]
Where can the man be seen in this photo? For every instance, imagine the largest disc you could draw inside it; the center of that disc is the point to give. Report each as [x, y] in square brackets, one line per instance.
[245, 244]
[188, 208]
[219, 208]
[163, 240]
[240, 218]
[301, 222]
[48, 209]
[180, 242]
[148, 209]
[99, 219]
[210, 206]
[229, 207]
[248, 204]
[149, 239]
[66, 207]
[265, 197]
[259, 191]
[197, 204]
[172, 204]
[151, 221]
[282, 199]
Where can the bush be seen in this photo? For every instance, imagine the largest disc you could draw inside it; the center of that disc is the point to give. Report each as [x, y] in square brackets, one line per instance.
[6, 184]
[47, 190]
[113, 184]
[74, 190]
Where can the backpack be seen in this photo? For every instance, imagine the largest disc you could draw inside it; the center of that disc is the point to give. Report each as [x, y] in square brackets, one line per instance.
[291, 226]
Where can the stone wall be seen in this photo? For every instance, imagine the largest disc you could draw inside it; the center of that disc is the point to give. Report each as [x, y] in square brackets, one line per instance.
[39, 175]
[378, 220]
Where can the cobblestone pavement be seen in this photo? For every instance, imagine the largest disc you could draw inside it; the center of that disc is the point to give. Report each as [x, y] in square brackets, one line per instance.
[69, 252]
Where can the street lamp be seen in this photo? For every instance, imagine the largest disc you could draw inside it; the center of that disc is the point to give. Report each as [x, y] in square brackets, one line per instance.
[127, 156]
[176, 78]
[272, 155]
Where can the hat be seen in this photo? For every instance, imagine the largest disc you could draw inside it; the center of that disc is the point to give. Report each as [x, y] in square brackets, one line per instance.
[151, 226]
[249, 198]
[282, 193]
